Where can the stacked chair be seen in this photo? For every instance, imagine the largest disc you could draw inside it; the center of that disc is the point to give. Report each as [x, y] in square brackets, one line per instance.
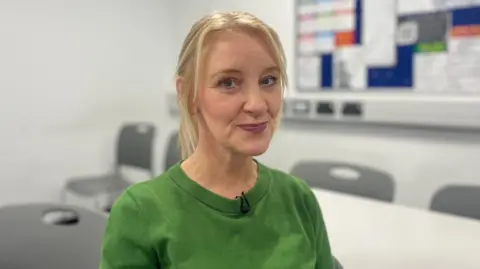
[134, 149]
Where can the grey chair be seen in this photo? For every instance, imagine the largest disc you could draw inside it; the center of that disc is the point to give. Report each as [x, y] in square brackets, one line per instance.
[346, 178]
[460, 200]
[50, 236]
[173, 154]
[134, 148]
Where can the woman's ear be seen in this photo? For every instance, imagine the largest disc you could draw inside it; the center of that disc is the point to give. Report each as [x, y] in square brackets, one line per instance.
[179, 85]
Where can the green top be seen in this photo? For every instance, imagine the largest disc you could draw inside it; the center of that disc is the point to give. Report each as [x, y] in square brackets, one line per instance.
[173, 222]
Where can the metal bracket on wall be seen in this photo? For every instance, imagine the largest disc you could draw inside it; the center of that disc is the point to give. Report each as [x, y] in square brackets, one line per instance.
[457, 113]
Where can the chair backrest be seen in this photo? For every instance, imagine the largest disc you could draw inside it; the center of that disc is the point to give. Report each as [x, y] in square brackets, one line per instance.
[337, 263]
[173, 154]
[458, 200]
[30, 241]
[135, 145]
[347, 178]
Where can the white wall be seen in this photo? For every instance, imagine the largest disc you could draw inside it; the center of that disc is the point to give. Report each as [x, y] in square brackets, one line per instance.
[71, 72]
[421, 160]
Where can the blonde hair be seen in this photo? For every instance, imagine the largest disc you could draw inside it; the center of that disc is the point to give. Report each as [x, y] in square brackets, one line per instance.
[191, 60]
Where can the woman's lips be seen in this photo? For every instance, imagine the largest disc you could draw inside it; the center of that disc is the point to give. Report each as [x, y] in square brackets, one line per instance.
[254, 128]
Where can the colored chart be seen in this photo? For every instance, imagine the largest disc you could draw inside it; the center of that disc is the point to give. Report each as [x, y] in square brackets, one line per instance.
[358, 45]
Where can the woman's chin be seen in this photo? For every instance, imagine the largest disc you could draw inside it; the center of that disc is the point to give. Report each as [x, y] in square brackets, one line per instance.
[254, 149]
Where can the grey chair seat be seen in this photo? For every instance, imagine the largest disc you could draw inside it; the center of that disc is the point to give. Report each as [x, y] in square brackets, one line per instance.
[27, 241]
[94, 185]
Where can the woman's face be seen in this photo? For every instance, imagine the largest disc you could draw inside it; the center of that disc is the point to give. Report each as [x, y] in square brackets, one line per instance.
[239, 95]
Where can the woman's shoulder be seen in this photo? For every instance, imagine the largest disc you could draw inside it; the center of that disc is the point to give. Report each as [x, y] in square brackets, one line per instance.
[148, 195]
[283, 180]
[294, 190]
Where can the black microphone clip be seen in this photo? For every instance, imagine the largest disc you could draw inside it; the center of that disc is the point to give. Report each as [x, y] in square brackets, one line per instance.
[244, 204]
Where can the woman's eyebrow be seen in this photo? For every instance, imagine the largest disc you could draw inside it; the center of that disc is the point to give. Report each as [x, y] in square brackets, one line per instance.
[226, 71]
[272, 69]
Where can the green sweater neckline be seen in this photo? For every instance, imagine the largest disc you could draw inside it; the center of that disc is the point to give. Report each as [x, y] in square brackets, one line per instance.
[220, 203]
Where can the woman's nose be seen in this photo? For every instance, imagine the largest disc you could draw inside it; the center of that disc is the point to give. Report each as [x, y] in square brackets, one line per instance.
[255, 101]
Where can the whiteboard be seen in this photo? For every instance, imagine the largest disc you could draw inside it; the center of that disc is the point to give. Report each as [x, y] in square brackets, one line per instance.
[430, 46]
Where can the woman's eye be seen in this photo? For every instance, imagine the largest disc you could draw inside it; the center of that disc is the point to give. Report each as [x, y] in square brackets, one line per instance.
[228, 83]
[269, 81]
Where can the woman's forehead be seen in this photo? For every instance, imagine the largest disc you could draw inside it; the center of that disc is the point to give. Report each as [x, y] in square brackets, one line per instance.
[236, 51]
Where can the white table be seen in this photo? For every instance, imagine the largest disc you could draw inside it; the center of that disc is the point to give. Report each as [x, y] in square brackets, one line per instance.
[367, 234]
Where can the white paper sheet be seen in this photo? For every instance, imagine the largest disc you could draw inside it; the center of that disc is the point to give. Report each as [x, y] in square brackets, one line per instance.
[308, 72]
[463, 64]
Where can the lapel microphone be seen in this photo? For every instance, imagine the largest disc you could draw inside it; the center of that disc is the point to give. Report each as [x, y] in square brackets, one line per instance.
[244, 204]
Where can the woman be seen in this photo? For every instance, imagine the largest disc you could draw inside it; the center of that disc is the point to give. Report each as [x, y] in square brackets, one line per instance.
[220, 208]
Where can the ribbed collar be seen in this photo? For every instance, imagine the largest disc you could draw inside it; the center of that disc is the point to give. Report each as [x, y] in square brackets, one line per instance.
[215, 201]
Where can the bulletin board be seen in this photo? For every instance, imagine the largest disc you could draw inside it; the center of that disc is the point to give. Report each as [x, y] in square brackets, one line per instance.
[372, 45]
[387, 61]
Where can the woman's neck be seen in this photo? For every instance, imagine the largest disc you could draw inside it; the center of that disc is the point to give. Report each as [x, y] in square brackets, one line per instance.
[220, 171]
